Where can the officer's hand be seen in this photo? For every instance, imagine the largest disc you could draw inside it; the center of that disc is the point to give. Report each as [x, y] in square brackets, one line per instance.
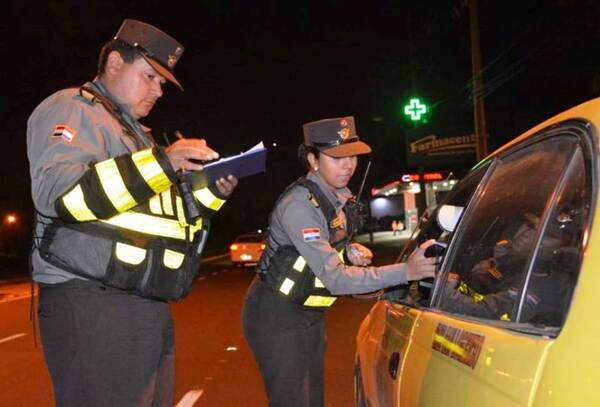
[182, 151]
[418, 266]
[359, 255]
[226, 186]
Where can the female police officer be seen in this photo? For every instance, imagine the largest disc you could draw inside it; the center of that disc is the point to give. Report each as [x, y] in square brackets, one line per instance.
[304, 267]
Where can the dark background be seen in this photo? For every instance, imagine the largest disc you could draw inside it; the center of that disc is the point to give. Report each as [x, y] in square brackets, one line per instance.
[258, 70]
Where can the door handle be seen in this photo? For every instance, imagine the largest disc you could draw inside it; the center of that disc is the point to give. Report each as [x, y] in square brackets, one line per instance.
[393, 364]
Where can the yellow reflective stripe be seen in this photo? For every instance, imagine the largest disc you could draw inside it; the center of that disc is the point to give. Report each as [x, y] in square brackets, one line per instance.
[180, 212]
[209, 199]
[155, 205]
[182, 222]
[319, 301]
[151, 170]
[318, 283]
[173, 259]
[286, 286]
[129, 254]
[74, 201]
[451, 346]
[113, 185]
[341, 255]
[195, 228]
[167, 202]
[148, 224]
[299, 264]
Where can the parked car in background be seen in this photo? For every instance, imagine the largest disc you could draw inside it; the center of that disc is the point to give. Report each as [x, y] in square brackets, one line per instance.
[247, 249]
[511, 318]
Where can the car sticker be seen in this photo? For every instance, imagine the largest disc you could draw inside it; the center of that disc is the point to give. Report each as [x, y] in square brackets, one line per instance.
[458, 344]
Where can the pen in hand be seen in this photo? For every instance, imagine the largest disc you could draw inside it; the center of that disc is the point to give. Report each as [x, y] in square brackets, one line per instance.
[188, 154]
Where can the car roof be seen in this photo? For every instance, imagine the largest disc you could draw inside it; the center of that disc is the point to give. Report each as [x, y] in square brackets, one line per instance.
[588, 111]
[249, 236]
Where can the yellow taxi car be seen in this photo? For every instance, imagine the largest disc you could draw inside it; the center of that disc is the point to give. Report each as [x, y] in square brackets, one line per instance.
[247, 249]
[512, 317]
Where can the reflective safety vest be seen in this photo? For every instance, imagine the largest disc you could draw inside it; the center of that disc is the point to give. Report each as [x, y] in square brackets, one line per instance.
[286, 271]
[156, 255]
[123, 223]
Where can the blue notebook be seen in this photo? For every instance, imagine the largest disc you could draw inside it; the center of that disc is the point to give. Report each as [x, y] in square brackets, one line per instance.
[242, 165]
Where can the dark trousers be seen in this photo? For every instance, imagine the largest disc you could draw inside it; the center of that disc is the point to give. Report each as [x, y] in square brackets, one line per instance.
[106, 347]
[288, 342]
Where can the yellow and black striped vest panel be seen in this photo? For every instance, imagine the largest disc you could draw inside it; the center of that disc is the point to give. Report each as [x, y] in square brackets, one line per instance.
[209, 200]
[113, 186]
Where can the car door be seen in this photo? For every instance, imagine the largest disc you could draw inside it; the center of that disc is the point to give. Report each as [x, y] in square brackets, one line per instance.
[483, 336]
[404, 308]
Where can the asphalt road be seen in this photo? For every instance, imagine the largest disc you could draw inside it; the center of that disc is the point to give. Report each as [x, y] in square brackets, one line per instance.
[214, 366]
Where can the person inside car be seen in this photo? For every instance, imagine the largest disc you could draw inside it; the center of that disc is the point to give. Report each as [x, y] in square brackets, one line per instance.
[506, 270]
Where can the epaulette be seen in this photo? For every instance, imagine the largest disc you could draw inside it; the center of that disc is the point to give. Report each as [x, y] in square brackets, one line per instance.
[312, 200]
[88, 96]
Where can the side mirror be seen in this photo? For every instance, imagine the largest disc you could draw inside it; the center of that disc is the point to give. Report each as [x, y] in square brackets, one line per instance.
[448, 217]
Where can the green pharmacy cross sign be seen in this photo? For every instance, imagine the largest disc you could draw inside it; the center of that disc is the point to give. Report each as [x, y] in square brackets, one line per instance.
[415, 109]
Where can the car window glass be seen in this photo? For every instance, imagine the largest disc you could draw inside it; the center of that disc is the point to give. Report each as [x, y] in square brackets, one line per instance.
[418, 293]
[557, 262]
[490, 260]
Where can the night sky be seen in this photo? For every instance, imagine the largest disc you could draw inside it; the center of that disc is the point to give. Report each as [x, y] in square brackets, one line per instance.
[258, 70]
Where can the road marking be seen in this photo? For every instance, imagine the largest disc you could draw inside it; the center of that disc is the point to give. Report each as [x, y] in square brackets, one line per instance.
[217, 257]
[190, 398]
[10, 338]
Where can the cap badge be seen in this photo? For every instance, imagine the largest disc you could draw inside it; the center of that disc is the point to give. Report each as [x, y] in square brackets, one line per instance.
[344, 123]
[171, 61]
[344, 133]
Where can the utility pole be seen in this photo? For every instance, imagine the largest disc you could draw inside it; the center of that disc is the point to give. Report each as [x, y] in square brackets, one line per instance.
[478, 106]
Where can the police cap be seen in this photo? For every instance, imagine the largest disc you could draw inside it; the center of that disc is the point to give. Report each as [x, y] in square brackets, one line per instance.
[159, 49]
[335, 137]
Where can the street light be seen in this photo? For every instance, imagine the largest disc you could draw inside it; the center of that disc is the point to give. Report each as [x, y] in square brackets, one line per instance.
[11, 219]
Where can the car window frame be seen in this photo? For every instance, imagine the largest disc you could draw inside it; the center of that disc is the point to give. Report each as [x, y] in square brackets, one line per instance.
[586, 136]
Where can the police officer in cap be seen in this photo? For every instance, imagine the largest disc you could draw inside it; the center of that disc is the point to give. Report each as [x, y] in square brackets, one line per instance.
[310, 260]
[116, 234]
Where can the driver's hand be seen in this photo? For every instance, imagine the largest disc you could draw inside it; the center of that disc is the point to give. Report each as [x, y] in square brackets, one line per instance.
[453, 278]
[418, 266]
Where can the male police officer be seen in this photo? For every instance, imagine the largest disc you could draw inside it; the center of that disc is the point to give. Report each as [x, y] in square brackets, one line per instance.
[115, 236]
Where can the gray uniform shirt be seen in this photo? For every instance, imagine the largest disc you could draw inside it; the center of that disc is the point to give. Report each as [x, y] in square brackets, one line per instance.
[65, 135]
[299, 222]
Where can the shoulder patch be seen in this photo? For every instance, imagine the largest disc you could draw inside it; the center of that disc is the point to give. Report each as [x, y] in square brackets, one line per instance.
[64, 132]
[311, 234]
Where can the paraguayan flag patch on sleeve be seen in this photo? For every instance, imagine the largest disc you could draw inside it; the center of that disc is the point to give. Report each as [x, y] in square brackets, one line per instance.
[311, 234]
[65, 132]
